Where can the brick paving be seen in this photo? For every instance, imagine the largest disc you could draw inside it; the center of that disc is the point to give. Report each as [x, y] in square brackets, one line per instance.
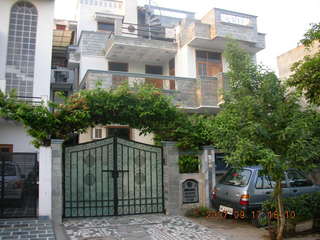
[143, 227]
[26, 229]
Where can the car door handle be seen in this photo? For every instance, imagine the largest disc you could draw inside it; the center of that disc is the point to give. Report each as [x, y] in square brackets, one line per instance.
[295, 190]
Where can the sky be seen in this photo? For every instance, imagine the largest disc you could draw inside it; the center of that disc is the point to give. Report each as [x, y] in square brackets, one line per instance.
[283, 21]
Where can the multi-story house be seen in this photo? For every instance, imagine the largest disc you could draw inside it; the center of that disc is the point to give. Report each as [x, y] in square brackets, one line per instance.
[119, 41]
[25, 61]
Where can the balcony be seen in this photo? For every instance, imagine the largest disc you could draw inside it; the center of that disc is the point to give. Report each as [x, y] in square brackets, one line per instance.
[191, 94]
[62, 79]
[213, 30]
[141, 43]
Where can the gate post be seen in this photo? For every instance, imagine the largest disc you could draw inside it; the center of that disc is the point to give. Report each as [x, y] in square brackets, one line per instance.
[209, 170]
[171, 178]
[45, 165]
[57, 204]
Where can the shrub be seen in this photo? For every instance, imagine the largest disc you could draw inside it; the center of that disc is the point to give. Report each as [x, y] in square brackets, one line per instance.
[189, 164]
[198, 212]
[305, 206]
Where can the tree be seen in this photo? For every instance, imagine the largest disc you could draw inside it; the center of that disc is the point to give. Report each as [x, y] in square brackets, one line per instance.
[143, 108]
[306, 73]
[261, 124]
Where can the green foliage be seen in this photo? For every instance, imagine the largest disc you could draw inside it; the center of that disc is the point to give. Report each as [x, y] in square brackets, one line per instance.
[198, 212]
[142, 107]
[306, 78]
[189, 164]
[190, 131]
[304, 206]
[306, 73]
[261, 124]
[312, 35]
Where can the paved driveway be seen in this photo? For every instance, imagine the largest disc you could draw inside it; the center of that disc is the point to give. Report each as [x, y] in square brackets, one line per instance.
[143, 227]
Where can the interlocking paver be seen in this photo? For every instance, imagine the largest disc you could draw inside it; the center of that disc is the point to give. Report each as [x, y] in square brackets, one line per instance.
[143, 227]
[26, 229]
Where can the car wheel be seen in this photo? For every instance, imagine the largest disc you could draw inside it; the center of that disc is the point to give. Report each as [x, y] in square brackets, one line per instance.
[261, 220]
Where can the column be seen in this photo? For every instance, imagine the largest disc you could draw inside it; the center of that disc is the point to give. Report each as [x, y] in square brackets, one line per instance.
[171, 178]
[57, 199]
[209, 171]
[45, 165]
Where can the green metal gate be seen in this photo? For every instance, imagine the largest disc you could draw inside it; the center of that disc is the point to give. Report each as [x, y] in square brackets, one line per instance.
[112, 177]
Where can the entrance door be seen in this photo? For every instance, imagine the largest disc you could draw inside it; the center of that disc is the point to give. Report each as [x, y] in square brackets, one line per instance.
[112, 177]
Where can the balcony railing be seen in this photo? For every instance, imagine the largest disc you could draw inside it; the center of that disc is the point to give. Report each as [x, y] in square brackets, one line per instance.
[148, 32]
[112, 79]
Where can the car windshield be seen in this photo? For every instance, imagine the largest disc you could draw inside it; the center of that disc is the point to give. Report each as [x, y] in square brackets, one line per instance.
[237, 177]
[9, 170]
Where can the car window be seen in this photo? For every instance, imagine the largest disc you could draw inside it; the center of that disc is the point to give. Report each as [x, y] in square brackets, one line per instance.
[238, 178]
[297, 179]
[264, 182]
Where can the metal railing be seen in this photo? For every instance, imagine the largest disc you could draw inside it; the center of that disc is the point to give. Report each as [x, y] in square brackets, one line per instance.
[147, 32]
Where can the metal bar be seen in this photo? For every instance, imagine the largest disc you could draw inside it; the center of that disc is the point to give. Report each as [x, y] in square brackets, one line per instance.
[134, 180]
[83, 192]
[108, 182]
[140, 180]
[122, 177]
[151, 181]
[157, 182]
[2, 183]
[96, 190]
[146, 183]
[162, 163]
[70, 180]
[129, 209]
[101, 167]
[115, 178]
[77, 183]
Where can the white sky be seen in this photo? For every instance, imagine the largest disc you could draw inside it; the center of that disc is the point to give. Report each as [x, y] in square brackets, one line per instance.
[284, 21]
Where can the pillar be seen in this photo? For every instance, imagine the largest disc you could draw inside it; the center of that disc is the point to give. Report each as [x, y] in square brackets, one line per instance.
[45, 166]
[209, 171]
[57, 194]
[171, 178]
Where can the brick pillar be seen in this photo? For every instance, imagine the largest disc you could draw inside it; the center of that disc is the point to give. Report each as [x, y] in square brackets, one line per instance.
[209, 171]
[171, 178]
[57, 204]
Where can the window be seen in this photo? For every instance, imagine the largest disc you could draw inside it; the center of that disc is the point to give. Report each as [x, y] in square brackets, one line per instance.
[296, 179]
[119, 131]
[21, 48]
[264, 182]
[97, 133]
[238, 178]
[154, 69]
[105, 26]
[60, 27]
[209, 64]
[6, 148]
[121, 67]
[61, 76]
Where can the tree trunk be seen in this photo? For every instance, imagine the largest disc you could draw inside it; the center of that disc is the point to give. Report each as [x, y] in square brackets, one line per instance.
[280, 210]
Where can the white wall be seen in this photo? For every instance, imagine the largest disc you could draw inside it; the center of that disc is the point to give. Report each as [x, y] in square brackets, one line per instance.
[186, 62]
[92, 63]
[10, 132]
[86, 15]
[14, 133]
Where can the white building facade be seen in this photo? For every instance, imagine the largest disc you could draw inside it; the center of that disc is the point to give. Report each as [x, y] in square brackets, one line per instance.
[119, 41]
[25, 61]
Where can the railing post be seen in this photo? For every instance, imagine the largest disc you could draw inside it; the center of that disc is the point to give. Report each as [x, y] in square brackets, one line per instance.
[171, 178]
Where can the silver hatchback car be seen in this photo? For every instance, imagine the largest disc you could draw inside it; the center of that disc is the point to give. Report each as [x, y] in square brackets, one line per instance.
[246, 189]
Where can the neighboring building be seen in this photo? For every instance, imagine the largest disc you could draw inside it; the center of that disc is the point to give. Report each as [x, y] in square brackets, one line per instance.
[286, 59]
[25, 61]
[119, 41]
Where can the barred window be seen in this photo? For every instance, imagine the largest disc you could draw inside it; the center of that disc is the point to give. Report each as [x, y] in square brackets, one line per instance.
[21, 48]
